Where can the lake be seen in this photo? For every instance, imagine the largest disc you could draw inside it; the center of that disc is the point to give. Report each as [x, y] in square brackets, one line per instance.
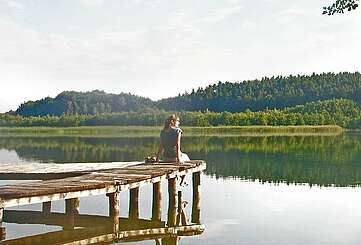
[262, 189]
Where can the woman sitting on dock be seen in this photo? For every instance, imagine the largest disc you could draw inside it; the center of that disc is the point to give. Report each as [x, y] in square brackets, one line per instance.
[170, 141]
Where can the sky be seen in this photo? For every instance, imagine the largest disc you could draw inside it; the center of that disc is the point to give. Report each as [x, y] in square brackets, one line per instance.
[158, 49]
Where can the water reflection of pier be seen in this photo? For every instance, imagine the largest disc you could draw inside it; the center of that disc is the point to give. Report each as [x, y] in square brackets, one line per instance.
[90, 229]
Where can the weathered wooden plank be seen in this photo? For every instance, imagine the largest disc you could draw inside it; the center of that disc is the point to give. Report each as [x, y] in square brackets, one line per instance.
[99, 182]
[10, 202]
[21, 191]
[61, 168]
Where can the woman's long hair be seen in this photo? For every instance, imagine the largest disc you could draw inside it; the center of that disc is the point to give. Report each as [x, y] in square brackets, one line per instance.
[169, 120]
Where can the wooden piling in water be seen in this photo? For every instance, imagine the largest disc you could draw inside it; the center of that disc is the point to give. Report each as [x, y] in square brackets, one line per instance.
[46, 207]
[172, 202]
[134, 203]
[196, 202]
[179, 208]
[71, 209]
[170, 241]
[157, 201]
[2, 229]
[114, 209]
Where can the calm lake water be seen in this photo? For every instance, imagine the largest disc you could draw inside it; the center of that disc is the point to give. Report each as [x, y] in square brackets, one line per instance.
[256, 190]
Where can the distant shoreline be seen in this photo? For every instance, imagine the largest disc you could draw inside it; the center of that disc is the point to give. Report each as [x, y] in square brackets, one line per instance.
[116, 131]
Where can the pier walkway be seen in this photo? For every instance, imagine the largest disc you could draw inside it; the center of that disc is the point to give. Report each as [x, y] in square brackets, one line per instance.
[70, 182]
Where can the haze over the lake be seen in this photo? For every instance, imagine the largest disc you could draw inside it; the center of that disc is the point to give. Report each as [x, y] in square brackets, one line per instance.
[159, 48]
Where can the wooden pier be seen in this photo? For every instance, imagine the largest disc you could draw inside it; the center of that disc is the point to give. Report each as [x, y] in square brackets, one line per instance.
[70, 182]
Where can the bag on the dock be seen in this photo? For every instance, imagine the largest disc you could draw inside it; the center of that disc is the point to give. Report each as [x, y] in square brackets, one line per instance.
[149, 159]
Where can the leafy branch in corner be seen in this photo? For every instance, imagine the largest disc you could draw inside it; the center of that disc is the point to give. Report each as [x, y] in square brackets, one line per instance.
[340, 6]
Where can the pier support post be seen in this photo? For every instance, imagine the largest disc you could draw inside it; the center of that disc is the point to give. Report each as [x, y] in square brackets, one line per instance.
[46, 207]
[157, 201]
[196, 202]
[170, 240]
[179, 208]
[172, 203]
[181, 216]
[2, 229]
[134, 203]
[114, 209]
[71, 209]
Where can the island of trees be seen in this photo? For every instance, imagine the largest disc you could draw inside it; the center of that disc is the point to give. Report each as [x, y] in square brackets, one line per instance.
[317, 99]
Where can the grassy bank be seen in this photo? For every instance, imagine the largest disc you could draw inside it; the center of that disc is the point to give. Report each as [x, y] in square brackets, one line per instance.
[274, 130]
[119, 131]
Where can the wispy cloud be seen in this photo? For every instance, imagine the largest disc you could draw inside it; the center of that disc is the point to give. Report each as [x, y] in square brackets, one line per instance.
[220, 14]
[11, 4]
[289, 14]
[91, 3]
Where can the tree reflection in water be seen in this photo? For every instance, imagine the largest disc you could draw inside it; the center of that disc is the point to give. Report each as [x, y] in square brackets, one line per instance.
[314, 160]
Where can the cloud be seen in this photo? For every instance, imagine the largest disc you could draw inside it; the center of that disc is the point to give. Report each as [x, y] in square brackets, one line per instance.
[289, 14]
[91, 3]
[233, 1]
[220, 14]
[11, 4]
[247, 24]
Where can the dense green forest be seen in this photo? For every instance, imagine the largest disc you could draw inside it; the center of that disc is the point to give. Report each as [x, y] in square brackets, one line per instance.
[342, 112]
[268, 93]
[256, 95]
[90, 103]
[318, 99]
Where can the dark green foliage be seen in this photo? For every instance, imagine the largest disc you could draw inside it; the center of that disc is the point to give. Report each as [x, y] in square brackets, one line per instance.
[89, 103]
[268, 93]
[325, 99]
[275, 92]
[340, 6]
[342, 107]
[342, 112]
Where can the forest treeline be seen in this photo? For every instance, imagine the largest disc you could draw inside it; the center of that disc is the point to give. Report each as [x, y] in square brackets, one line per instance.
[256, 95]
[88, 103]
[318, 99]
[342, 112]
[268, 93]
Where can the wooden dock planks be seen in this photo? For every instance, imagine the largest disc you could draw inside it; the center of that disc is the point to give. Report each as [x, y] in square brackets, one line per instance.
[84, 180]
